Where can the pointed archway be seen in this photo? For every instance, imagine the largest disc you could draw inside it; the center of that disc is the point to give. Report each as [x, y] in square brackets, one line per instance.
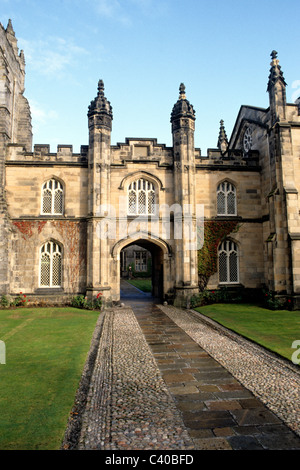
[161, 262]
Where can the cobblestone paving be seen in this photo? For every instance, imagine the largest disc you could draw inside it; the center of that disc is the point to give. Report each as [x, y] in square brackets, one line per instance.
[129, 405]
[165, 380]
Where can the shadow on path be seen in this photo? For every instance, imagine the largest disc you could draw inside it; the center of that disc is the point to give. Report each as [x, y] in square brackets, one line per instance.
[132, 296]
[218, 411]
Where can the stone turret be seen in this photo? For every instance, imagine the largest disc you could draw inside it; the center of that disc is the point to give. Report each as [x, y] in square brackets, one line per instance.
[183, 128]
[100, 118]
[183, 114]
[100, 110]
[283, 203]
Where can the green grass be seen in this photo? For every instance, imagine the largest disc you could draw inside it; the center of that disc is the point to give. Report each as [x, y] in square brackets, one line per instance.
[144, 285]
[45, 354]
[275, 330]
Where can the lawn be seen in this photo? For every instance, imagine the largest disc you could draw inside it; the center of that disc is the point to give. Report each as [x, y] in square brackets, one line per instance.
[45, 354]
[275, 330]
[144, 285]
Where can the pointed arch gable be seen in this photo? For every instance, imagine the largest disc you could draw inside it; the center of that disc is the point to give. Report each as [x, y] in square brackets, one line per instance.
[117, 248]
[141, 174]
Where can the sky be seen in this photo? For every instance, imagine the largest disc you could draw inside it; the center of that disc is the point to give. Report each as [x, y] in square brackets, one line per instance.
[143, 50]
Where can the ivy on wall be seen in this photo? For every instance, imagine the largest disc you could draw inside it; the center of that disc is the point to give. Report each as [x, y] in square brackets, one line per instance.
[27, 227]
[73, 236]
[214, 232]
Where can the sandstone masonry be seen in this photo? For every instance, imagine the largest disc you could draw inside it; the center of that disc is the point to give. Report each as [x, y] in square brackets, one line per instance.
[65, 217]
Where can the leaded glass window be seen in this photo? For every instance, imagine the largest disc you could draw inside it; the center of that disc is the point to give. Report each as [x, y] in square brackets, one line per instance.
[141, 198]
[50, 265]
[52, 198]
[226, 199]
[228, 263]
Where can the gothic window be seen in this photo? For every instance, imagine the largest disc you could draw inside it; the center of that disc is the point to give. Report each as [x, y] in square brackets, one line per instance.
[50, 265]
[247, 140]
[140, 261]
[52, 198]
[226, 199]
[228, 263]
[141, 198]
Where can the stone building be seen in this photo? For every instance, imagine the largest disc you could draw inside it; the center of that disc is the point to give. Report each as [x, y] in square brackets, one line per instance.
[66, 217]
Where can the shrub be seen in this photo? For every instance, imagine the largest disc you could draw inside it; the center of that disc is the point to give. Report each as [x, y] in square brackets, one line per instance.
[270, 301]
[222, 295]
[21, 300]
[80, 301]
[5, 302]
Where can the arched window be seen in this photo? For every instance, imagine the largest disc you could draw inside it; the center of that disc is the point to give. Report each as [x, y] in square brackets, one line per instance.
[52, 197]
[50, 265]
[226, 199]
[141, 198]
[228, 263]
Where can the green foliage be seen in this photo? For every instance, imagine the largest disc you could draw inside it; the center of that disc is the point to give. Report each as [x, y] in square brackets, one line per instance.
[20, 301]
[222, 295]
[273, 302]
[81, 301]
[214, 232]
[5, 302]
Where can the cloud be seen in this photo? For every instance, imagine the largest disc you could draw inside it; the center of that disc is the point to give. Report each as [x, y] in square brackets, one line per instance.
[112, 9]
[52, 55]
[123, 11]
[41, 117]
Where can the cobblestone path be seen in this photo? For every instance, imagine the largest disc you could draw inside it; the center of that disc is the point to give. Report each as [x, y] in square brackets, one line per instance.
[155, 387]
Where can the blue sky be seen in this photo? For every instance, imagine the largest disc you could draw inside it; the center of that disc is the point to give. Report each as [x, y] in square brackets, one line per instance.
[143, 50]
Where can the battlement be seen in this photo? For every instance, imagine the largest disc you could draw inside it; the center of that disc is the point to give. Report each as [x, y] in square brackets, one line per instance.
[41, 153]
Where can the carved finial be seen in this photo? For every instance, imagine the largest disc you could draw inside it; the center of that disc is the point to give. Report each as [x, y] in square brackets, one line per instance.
[100, 105]
[275, 71]
[222, 141]
[274, 55]
[182, 91]
[101, 87]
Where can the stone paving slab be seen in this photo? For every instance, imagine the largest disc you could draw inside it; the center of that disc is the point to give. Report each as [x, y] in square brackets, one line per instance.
[273, 381]
[229, 416]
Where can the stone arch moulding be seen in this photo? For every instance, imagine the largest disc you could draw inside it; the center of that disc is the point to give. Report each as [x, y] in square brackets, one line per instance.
[53, 177]
[227, 180]
[117, 248]
[141, 174]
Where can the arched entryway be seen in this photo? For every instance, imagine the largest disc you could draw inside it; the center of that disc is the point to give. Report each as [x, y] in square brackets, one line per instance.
[160, 254]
